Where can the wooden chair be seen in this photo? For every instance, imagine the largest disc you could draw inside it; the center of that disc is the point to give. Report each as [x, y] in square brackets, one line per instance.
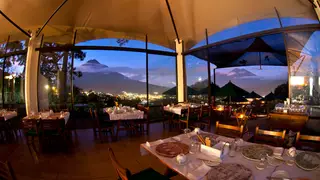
[30, 128]
[205, 118]
[229, 130]
[144, 121]
[6, 171]
[103, 125]
[307, 142]
[52, 130]
[192, 115]
[166, 117]
[125, 174]
[273, 138]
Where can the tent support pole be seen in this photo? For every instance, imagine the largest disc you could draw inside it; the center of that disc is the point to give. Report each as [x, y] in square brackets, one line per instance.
[40, 30]
[71, 73]
[316, 6]
[278, 15]
[214, 82]
[208, 69]
[260, 60]
[172, 19]
[147, 71]
[14, 24]
[3, 66]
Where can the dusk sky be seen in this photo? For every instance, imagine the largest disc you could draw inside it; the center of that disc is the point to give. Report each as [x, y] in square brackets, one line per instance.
[196, 68]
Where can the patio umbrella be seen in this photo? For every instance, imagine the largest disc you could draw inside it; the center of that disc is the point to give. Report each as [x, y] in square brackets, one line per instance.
[173, 91]
[232, 90]
[235, 99]
[214, 89]
[269, 97]
[253, 95]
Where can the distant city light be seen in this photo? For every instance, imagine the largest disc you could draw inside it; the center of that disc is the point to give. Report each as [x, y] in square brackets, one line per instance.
[199, 79]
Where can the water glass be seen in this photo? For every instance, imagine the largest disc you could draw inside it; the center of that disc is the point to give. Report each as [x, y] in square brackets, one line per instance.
[194, 147]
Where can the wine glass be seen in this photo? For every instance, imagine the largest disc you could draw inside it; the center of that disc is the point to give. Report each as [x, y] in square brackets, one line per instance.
[262, 163]
[187, 132]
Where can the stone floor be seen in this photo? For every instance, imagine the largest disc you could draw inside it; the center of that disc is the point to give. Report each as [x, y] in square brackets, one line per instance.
[88, 157]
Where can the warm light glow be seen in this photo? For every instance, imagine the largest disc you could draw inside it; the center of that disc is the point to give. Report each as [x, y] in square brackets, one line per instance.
[297, 80]
[53, 88]
[8, 77]
[220, 109]
[47, 87]
[241, 116]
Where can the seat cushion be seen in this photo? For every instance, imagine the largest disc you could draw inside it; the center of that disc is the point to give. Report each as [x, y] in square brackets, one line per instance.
[148, 174]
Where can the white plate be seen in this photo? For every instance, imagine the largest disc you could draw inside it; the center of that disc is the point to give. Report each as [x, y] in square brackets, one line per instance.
[280, 174]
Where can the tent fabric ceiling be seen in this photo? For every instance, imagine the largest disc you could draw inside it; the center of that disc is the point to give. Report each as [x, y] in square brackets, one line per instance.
[246, 52]
[133, 19]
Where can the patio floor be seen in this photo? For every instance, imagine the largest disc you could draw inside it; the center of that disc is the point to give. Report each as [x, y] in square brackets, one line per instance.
[88, 158]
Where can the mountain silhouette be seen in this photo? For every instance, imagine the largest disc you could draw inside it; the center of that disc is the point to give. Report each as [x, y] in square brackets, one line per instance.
[99, 77]
[243, 78]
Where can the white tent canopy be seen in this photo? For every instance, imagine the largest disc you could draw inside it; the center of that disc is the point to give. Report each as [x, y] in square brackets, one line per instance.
[133, 19]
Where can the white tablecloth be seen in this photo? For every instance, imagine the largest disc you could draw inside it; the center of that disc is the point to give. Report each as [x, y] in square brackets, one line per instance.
[127, 115]
[196, 169]
[8, 115]
[45, 115]
[175, 110]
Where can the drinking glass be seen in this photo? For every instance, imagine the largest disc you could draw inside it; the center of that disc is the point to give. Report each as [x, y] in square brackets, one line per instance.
[194, 147]
[262, 163]
[187, 132]
[232, 151]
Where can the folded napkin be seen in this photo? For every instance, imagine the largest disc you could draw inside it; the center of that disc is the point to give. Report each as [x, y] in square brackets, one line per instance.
[199, 173]
[210, 151]
[154, 143]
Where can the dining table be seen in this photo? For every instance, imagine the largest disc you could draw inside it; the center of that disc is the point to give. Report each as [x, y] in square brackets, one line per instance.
[124, 117]
[179, 109]
[49, 116]
[7, 115]
[195, 168]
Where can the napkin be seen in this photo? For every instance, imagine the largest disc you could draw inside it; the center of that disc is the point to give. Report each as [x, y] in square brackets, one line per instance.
[176, 138]
[210, 151]
[199, 173]
[149, 144]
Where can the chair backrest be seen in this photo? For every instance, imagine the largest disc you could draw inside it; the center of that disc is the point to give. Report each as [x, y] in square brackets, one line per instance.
[230, 128]
[29, 124]
[307, 142]
[123, 173]
[96, 118]
[263, 134]
[205, 111]
[193, 112]
[51, 124]
[6, 171]
[91, 113]
[307, 138]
